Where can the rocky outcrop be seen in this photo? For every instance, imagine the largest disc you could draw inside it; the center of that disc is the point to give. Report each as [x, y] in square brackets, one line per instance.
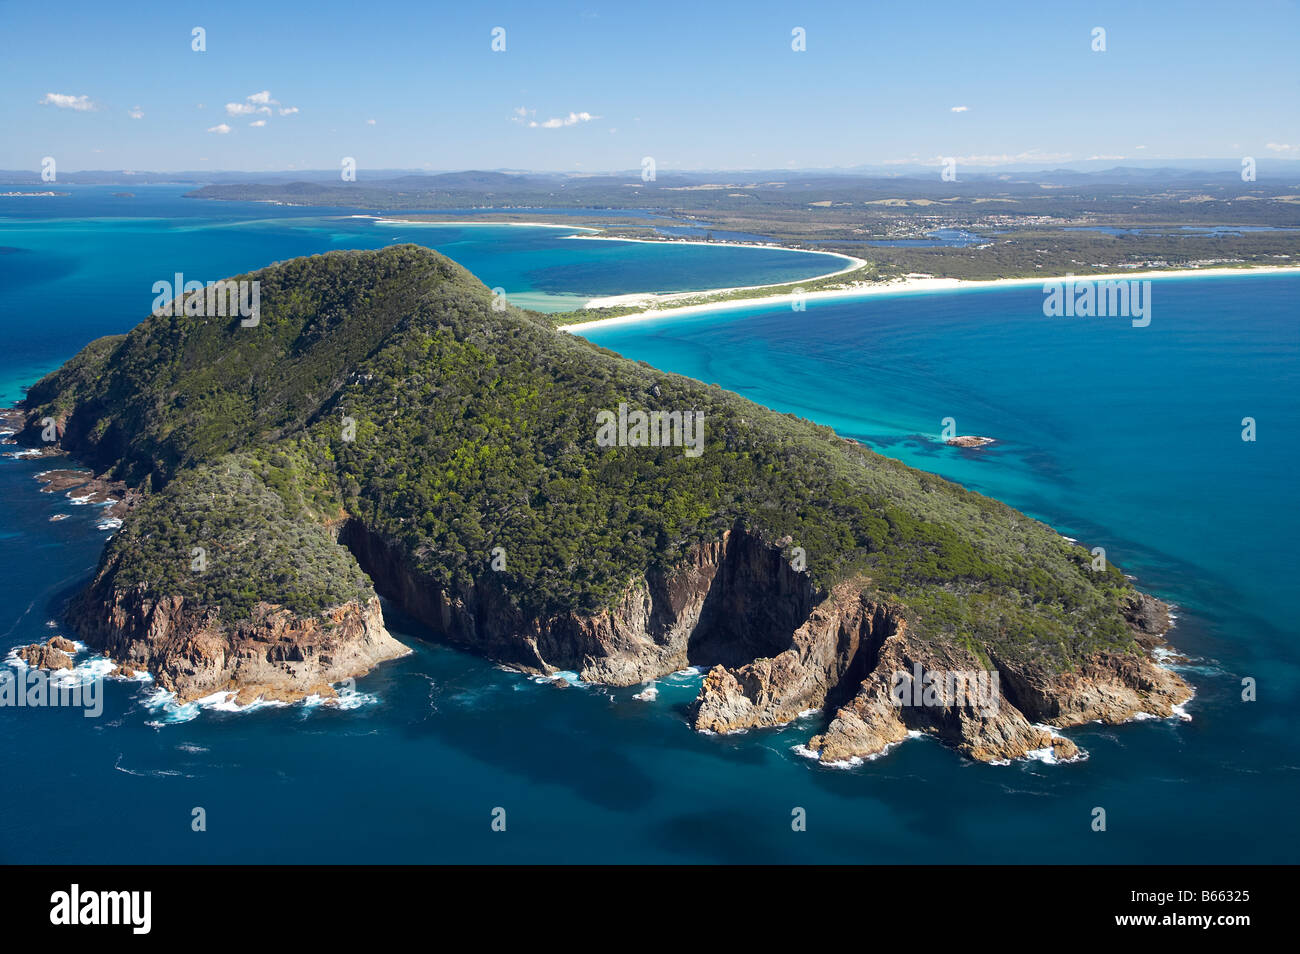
[898, 684]
[49, 655]
[272, 655]
[836, 645]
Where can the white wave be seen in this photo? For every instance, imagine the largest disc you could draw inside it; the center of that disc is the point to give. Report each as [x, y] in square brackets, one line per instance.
[152, 773]
[347, 699]
[571, 678]
[1046, 754]
[171, 712]
[853, 761]
[648, 694]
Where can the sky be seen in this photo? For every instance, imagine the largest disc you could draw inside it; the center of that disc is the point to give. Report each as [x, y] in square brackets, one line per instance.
[591, 86]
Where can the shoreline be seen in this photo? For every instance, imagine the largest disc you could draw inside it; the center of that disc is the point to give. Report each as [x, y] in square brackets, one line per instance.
[894, 286]
[853, 262]
[384, 220]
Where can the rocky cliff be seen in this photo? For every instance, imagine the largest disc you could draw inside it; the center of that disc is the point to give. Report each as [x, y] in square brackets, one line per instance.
[274, 654]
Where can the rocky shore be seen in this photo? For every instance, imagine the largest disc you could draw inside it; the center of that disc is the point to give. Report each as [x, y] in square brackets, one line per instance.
[274, 655]
[776, 649]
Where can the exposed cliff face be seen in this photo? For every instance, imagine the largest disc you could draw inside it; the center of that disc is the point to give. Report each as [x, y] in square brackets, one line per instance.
[273, 655]
[853, 645]
[778, 648]
[734, 598]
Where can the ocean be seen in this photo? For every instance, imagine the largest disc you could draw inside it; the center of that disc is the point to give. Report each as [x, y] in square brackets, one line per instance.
[1122, 437]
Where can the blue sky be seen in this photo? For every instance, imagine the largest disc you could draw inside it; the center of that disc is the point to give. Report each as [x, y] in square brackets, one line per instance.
[695, 85]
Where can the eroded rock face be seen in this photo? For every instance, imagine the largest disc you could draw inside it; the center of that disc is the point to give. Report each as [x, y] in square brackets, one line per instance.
[840, 639]
[273, 655]
[851, 643]
[48, 655]
[777, 648]
[664, 621]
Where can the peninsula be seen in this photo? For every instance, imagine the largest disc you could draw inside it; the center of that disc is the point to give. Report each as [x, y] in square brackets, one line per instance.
[388, 428]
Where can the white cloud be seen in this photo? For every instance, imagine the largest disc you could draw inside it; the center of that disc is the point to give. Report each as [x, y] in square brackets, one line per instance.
[220, 129]
[1281, 147]
[245, 109]
[570, 120]
[258, 122]
[81, 104]
[370, 122]
[960, 109]
[522, 114]
[258, 104]
[135, 112]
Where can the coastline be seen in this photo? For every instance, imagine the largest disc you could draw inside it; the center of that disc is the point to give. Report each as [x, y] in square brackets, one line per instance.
[384, 220]
[894, 286]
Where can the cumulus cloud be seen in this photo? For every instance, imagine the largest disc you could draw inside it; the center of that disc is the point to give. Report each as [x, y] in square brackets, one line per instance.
[258, 122]
[259, 104]
[244, 109]
[135, 112]
[220, 129]
[570, 120]
[1281, 147]
[81, 104]
[960, 109]
[522, 115]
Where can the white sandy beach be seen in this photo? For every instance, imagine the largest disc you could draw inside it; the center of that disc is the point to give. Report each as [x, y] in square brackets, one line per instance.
[381, 220]
[912, 283]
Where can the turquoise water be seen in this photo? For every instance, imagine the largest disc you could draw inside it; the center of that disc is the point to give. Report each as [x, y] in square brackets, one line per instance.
[76, 267]
[1122, 437]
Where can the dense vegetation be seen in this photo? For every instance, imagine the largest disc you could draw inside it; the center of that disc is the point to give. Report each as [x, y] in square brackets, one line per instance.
[384, 387]
[233, 532]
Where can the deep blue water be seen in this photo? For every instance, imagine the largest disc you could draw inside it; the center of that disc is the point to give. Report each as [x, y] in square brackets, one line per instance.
[1123, 437]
